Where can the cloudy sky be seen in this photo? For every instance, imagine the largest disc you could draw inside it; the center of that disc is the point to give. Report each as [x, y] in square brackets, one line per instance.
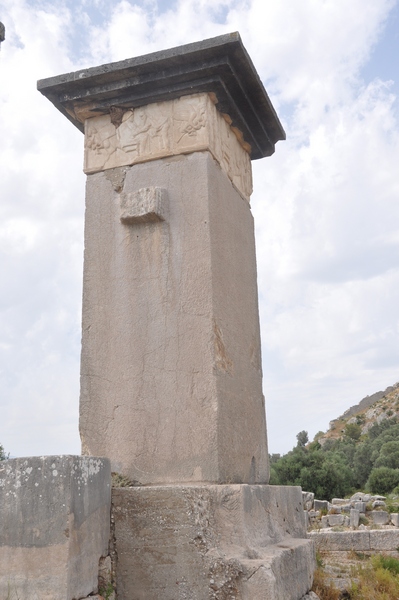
[326, 204]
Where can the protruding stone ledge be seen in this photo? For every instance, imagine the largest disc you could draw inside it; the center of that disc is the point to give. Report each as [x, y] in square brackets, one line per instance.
[54, 525]
[147, 205]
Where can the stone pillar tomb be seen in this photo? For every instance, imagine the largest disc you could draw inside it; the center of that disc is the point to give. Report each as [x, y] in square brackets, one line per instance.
[171, 379]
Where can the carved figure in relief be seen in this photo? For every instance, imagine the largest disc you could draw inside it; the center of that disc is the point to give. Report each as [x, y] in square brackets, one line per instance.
[95, 142]
[134, 134]
[143, 135]
[160, 131]
[190, 118]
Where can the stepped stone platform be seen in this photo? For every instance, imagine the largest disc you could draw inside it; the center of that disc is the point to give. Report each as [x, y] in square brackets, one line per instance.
[216, 541]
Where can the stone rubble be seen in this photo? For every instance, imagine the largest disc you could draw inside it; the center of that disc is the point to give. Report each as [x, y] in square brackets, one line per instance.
[348, 524]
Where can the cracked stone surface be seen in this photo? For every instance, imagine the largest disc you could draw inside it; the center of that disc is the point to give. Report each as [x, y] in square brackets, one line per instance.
[222, 542]
[171, 379]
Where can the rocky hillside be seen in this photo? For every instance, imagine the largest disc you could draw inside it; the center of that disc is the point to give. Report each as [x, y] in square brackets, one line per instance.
[372, 409]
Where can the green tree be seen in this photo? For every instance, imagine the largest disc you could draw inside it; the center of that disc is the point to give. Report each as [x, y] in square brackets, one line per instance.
[362, 463]
[3, 455]
[302, 438]
[353, 431]
[383, 480]
[389, 455]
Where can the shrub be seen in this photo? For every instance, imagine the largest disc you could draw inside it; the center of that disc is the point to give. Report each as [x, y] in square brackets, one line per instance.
[383, 480]
[389, 455]
[386, 562]
[377, 580]
[3, 455]
[353, 431]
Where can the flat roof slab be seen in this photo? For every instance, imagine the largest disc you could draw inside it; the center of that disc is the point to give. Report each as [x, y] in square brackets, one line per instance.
[220, 66]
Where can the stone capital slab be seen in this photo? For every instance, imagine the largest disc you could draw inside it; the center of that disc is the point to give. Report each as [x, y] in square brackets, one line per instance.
[220, 66]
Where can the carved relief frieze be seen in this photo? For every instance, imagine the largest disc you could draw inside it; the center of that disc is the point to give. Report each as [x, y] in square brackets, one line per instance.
[181, 126]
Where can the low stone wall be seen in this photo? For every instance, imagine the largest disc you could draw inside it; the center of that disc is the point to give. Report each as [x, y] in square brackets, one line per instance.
[362, 541]
[54, 526]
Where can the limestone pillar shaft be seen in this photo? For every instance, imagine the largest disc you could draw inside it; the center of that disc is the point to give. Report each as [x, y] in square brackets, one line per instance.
[171, 379]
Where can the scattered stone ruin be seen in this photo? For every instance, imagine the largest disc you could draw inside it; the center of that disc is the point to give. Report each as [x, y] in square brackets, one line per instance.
[361, 523]
[171, 380]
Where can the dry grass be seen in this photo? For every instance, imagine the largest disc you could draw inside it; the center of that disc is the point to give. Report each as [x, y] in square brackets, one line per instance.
[371, 578]
[323, 587]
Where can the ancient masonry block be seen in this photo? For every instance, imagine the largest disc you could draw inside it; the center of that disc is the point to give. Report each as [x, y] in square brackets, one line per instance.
[211, 542]
[54, 525]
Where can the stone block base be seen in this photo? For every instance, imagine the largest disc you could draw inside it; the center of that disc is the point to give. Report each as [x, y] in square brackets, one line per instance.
[211, 542]
[54, 526]
[369, 540]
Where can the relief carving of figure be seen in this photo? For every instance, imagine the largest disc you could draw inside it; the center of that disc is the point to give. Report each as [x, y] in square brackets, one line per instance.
[190, 118]
[95, 142]
[134, 134]
[141, 134]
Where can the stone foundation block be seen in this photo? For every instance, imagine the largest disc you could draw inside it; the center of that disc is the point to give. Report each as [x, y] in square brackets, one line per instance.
[320, 505]
[387, 539]
[395, 519]
[335, 520]
[211, 542]
[362, 541]
[324, 521]
[380, 517]
[341, 540]
[54, 526]
[354, 518]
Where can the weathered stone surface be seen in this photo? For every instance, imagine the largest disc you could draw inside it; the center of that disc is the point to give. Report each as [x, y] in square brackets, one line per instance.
[362, 541]
[395, 519]
[171, 380]
[324, 521]
[313, 514]
[307, 499]
[307, 520]
[378, 503]
[54, 525]
[189, 124]
[379, 517]
[341, 540]
[335, 509]
[360, 506]
[357, 497]
[386, 539]
[320, 504]
[219, 65]
[216, 541]
[147, 205]
[335, 520]
[354, 518]
[338, 501]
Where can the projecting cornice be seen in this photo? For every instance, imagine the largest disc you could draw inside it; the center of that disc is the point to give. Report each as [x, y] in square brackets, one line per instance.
[220, 66]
